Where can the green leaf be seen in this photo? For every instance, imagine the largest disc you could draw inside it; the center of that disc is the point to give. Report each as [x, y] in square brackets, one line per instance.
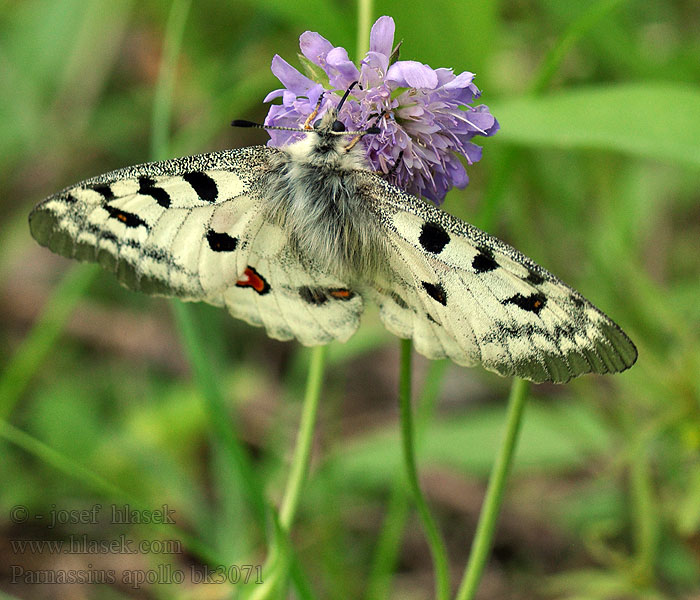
[314, 72]
[654, 120]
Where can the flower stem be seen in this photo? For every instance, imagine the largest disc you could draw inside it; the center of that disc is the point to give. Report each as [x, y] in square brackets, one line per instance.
[364, 18]
[278, 561]
[434, 538]
[494, 493]
[302, 452]
[643, 511]
[390, 537]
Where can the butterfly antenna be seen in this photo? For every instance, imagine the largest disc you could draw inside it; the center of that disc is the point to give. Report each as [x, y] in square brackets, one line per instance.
[345, 96]
[244, 123]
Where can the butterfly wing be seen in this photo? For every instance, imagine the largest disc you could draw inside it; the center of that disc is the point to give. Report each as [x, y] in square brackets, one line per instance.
[195, 228]
[291, 298]
[463, 294]
[166, 228]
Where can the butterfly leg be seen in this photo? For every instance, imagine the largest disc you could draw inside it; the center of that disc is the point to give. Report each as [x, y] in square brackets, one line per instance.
[312, 116]
[396, 164]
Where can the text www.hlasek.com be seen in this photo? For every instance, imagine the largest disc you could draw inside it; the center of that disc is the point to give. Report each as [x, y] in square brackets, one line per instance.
[76, 544]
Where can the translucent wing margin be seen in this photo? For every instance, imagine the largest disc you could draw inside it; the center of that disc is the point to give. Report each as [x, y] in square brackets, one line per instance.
[463, 294]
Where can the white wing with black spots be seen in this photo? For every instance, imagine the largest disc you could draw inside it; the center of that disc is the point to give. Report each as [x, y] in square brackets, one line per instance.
[196, 228]
[167, 228]
[290, 299]
[290, 239]
[462, 294]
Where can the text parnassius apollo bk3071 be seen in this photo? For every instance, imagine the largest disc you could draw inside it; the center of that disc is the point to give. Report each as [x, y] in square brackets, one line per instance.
[297, 239]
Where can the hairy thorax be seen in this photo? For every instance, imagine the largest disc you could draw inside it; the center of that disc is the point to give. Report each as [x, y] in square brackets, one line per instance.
[316, 192]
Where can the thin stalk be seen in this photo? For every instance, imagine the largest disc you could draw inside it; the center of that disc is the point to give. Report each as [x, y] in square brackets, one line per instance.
[302, 452]
[364, 20]
[432, 534]
[488, 518]
[389, 543]
[278, 562]
[389, 540]
[643, 515]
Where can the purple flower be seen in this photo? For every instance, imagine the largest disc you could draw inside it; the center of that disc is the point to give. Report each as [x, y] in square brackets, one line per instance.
[427, 120]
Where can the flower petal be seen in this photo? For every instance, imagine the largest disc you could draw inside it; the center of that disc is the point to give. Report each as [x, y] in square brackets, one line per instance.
[381, 38]
[374, 67]
[345, 71]
[315, 47]
[274, 94]
[290, 77]
[410, 73]
[427, 120]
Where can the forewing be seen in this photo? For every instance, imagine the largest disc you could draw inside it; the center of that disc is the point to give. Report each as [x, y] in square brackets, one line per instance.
[195, 228]
[461, 293]
[174, 228]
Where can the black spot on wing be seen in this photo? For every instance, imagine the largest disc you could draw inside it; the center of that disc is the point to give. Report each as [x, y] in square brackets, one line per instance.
[129, 219]
[534, 278]
[431, 318]
[399, 300]
[147, 187]
[433, 238]
[104, 190]
[532, 303]
[484, 261]
[221, 242]
[436, 292]
[203, 185]
[577, 301]
[314, 296]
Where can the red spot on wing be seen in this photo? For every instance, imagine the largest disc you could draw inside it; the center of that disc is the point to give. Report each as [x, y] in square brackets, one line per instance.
[341, 294]
[251, 278]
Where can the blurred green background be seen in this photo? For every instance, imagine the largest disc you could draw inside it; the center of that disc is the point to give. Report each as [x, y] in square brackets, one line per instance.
[594, 174]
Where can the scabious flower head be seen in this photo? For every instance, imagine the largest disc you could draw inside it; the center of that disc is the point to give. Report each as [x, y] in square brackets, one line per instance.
[427, 121]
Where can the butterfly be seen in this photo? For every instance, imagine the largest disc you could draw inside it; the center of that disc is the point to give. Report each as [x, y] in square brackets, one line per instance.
[297, 239]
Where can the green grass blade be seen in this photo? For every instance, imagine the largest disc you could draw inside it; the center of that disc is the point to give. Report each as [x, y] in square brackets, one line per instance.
[389, 542]
[44, 334]
[500, 179]
[99, 484]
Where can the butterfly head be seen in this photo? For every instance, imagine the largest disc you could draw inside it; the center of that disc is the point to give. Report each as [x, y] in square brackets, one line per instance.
[328, 135]
[329, 125]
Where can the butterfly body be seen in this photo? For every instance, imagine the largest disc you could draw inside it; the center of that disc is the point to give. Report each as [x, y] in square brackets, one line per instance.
[298, 239]
[315, 190]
